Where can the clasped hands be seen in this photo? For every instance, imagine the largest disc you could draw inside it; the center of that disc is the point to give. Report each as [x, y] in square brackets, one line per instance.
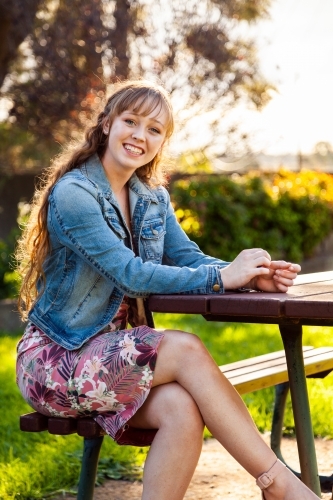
[254, 269]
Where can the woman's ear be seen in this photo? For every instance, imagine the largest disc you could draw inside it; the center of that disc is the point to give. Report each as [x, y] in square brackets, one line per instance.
[106, 128]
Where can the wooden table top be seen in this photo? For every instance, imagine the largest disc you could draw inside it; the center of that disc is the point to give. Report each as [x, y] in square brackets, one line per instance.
[310, 301]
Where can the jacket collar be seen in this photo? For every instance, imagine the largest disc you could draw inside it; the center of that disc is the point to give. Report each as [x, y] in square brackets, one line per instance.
[93, 169]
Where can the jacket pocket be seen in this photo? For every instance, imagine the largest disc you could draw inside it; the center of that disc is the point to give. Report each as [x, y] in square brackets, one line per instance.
[116, 226]
[152, 239]
[60, 296]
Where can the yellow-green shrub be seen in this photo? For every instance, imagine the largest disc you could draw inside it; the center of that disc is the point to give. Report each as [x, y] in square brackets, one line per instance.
[286, 213]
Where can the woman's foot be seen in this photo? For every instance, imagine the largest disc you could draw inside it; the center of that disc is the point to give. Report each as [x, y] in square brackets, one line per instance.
[279, 483]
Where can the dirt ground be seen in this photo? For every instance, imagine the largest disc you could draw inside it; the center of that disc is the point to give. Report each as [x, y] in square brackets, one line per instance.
[218, 476]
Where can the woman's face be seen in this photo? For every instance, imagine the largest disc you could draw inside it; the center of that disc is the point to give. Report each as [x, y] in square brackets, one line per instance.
[134, 140]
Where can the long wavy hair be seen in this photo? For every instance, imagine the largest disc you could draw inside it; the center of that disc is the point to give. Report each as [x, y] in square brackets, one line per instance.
[33, 247]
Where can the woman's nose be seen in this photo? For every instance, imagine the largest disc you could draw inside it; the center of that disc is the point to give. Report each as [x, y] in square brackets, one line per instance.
[138, 134]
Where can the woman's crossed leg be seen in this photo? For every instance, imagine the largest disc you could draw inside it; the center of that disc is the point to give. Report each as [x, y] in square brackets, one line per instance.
[189, 389]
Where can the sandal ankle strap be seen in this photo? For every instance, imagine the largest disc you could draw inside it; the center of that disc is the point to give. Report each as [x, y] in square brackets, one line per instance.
[267, 478]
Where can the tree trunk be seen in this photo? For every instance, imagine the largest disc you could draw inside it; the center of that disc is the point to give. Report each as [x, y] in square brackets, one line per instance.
[16, 23]
[119, 39]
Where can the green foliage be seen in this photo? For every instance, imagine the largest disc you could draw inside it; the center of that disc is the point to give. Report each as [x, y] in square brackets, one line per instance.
[33, 465]
[8, 277]
[286, 213]
[24, 150]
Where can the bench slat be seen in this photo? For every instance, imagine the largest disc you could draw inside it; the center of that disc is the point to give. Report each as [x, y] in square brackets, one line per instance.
[87, 427]
[262, 376]
[261, 359]
[264, 363]
[62, 426]
[33, 422]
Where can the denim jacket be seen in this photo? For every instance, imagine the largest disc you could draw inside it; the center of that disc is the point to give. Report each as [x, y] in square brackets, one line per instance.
[95, 260]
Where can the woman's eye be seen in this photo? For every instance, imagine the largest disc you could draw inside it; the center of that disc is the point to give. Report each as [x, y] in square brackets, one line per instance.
[129, 121]
[155, 130]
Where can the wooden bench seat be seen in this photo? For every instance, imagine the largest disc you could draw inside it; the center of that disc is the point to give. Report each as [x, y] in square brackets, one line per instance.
[268, 370]
[248, 375]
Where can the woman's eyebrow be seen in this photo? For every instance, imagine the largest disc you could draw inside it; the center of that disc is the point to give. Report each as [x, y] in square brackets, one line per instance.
[139, 114]
[157, 121]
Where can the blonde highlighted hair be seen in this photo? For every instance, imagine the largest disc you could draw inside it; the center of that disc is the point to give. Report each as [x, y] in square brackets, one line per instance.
[140, 96]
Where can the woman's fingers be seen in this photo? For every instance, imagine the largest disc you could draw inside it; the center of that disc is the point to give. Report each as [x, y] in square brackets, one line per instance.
[256, 253]
[295, 267]
[281, 287]
[284, 274]
[283, 265]
[261, 261]
[284, 281]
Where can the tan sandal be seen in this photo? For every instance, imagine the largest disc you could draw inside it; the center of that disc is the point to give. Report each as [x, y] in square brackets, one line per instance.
[267, 478]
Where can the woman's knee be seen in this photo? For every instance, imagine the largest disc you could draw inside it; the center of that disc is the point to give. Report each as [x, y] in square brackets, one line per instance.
[177, 350]
[169, 406]
[183, 343]
[179, 408]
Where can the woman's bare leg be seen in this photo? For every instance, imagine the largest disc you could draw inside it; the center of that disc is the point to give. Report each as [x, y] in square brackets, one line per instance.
[176, 448]
[183, 358]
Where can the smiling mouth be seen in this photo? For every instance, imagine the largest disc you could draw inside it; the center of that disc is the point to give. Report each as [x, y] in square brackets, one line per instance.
[133, 149]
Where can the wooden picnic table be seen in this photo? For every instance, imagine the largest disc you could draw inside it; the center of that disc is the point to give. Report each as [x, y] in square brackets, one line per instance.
[308, 302]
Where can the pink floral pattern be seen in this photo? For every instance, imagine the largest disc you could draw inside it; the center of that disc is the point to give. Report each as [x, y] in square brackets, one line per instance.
[108, 378]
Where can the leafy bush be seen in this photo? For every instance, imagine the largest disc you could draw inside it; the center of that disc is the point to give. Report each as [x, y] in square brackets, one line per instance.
[8, 277]
[286, 213]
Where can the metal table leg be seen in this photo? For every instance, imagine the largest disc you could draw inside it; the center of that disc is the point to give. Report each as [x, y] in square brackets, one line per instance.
[292, 340]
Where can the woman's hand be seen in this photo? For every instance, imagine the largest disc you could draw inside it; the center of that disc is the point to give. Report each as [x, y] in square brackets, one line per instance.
[280, 277]
[246, 266]
[254, 268]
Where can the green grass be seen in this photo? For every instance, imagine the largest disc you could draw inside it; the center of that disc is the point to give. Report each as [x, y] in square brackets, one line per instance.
[34, 465]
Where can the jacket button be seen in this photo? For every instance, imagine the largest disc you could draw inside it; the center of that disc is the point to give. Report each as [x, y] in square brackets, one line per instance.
[216, 287]
[155, 231]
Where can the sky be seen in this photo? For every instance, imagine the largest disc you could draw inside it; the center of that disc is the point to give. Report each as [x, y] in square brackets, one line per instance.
[295, 49]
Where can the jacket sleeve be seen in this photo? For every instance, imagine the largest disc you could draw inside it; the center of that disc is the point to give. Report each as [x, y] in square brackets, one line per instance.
[77, 221]
[179, 250]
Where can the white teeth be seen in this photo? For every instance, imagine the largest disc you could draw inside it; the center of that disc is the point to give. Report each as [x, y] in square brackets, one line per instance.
[133, 149]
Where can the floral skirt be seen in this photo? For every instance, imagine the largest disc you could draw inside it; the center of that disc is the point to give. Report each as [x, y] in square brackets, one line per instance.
[108, 378]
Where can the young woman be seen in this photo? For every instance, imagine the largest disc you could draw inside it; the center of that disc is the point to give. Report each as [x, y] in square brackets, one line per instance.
[102, 237]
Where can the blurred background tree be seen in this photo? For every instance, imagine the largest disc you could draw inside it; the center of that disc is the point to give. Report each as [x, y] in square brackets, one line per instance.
[73, 50]
[16, 22]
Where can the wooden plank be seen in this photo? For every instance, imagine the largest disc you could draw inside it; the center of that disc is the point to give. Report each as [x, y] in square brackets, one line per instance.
[311, 307]
[33, 422]
[311, 297]
[247, 304]
[190, 304]
[262, 358]
[313, 277]
[262, 362]
[271, 377]
[87, 427]
[277, 362]
[62, 426]
[309, 290]
[316, 361]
